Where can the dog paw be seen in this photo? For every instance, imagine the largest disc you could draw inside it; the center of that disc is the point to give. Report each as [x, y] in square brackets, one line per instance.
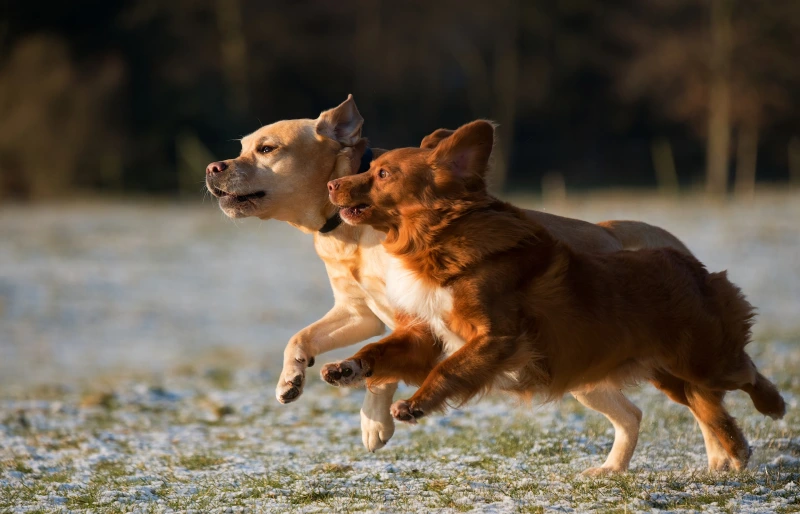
[739, 462]
[290, 388]
[403, 410]
[601, 471]
[347, 373]
[293, 377]
[720, 464]
[376, 432]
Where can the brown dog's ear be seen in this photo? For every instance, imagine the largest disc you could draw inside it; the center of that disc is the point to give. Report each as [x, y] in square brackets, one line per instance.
[433, 139]
[466, 152]
[342, 123]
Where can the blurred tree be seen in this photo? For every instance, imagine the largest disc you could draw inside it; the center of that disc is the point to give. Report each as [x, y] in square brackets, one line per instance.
[55, 121]
[176, 77]
[496, 59]
[233, 53]
[715, 65]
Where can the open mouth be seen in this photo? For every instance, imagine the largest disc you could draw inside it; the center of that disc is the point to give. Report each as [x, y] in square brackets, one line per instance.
[219, 193]
[354, 213]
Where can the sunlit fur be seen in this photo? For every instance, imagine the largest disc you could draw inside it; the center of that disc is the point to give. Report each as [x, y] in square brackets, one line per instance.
[311, 152]
[536, 316]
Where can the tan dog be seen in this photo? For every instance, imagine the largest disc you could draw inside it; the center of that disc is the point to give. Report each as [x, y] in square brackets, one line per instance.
[282, 174]
[487, 298]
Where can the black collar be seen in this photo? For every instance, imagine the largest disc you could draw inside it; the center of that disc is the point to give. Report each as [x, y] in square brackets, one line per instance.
[366, 160]
[334, 221]
[331, 223]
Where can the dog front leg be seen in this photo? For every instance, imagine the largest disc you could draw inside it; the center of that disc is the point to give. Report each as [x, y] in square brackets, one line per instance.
[461, 376]
[342, 326]
[407, 354]
[377, 424]
[409, 359]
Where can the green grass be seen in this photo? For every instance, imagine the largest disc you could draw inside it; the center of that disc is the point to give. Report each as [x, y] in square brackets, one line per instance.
[110, 469]
[199, 461]
[21, 467]
[88, 498]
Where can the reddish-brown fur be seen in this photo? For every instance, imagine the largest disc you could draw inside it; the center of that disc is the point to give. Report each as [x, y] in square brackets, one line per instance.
[527, 304]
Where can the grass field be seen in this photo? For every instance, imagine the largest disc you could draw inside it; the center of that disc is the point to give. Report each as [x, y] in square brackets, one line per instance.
[140, 346]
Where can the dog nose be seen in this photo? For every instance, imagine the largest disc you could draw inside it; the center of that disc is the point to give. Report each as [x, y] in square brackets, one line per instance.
[333, 185]
[216, 167]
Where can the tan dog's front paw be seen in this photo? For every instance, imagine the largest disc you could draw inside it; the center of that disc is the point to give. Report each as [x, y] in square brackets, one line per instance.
[403, 410]
[290, 384]
[376, 430]
[348, 373]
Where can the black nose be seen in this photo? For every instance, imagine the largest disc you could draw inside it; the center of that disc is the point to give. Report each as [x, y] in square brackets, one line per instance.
[333, 185]
[216, 167]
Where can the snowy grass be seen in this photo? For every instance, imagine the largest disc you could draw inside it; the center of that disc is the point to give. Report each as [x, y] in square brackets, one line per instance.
[140, 347]
[185, 444]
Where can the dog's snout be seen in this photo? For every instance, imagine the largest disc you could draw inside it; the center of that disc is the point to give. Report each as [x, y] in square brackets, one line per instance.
[333, 185]
[216, 167]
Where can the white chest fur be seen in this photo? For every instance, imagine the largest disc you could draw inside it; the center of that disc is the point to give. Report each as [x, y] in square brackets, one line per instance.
[407, 293]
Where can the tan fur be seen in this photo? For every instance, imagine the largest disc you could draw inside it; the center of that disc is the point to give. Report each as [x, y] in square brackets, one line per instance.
[510, 307]
[293, 177]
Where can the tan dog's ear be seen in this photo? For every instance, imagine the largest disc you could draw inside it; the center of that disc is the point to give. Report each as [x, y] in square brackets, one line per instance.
[466, 152]
[342, 123]
[433, 139]
[348, 160]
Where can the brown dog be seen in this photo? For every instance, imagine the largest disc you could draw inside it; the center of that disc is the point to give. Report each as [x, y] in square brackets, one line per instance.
[489, 299]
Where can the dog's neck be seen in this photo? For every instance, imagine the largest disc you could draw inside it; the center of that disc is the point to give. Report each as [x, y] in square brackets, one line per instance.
[440, 244]
[320, 217]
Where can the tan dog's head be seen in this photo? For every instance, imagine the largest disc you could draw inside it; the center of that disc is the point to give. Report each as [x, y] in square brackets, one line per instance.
[401, 182]
[283, 168]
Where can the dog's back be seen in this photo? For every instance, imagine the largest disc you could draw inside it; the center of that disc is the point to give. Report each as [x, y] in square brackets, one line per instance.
[630, 312]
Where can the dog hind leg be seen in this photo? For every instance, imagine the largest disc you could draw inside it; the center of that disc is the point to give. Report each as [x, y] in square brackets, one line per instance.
[708, 408]
[624, 416]
[675, 389]
[745, 376]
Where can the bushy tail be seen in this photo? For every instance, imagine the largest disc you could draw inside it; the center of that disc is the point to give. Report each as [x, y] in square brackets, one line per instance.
[737, 320]
[735, 312]
[766, 398]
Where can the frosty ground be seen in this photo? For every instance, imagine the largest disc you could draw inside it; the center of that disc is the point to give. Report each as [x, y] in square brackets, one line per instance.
[140, 346]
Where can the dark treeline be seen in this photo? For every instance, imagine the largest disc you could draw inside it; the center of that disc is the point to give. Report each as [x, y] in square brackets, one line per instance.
[138, 96]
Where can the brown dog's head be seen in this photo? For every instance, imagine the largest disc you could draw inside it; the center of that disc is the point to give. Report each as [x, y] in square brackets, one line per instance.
[433, 139]
[404, 181]
[282, 169]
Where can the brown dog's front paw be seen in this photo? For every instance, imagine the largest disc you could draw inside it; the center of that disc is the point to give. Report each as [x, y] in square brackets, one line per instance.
[403, 410]
[346, 373]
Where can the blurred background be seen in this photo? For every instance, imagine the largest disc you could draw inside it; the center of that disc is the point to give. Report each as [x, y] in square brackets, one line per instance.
[106, 106]
[139, 96]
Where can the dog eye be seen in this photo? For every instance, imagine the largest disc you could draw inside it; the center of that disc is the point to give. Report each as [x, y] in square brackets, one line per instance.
[383, 173]
[266, 149]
